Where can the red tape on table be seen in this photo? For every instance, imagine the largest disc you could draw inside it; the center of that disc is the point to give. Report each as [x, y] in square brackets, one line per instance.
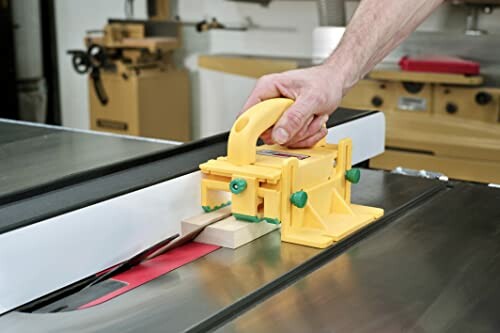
[154, 268]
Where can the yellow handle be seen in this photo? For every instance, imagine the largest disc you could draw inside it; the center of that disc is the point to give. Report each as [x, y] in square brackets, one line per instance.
[241, 148]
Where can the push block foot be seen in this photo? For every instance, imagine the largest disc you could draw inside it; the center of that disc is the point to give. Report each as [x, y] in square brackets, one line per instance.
[308, 237]
[333, 228]
[230, 232]
[343, 225]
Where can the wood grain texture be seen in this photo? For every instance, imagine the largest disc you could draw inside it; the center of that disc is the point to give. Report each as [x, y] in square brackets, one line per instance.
[228, 232]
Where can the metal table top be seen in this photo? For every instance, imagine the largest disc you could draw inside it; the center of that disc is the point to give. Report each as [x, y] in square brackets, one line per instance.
[34, 155]
[436, 269]
[210, 289]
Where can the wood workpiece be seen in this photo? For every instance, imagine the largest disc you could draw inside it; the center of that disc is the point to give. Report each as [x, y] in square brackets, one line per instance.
[227, 232]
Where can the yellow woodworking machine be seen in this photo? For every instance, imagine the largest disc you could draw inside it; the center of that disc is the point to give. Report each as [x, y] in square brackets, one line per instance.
[442, 122]
[136, 87]
[308, 191]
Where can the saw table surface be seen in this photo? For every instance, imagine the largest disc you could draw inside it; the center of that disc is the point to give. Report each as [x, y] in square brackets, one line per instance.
[33, 156]
[431, 264]
[435, 269]
[208, 291]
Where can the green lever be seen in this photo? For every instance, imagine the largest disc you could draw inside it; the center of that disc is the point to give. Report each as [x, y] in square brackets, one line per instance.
[299, 199]
[237, 185]
[353, 175]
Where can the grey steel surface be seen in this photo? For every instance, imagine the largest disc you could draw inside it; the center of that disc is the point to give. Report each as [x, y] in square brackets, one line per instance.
[31, 155]
[436, 269]
[194, 292]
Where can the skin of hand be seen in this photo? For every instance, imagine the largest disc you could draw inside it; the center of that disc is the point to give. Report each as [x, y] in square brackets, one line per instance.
[376, 28]
[316, 95]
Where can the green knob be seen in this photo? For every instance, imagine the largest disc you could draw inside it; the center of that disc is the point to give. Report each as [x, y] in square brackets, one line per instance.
[237, 185]
[299, 199]
[353, 175]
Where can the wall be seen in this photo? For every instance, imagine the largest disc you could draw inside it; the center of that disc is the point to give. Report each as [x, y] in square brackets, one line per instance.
[281, 29]
[73, 19]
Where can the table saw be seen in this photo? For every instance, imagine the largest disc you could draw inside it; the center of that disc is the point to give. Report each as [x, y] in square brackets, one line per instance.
[74, 204]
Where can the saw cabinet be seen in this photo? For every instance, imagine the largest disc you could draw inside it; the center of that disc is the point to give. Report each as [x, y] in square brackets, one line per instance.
[447, 123]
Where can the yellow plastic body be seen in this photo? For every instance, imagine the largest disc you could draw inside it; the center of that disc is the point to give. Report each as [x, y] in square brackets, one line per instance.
[272, 174]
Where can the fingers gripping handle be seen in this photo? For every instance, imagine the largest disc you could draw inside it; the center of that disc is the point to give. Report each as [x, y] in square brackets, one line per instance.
[241, 148]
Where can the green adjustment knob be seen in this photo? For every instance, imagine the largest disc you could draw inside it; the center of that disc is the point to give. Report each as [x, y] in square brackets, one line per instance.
[237, 185]
[299, 199]
[353, 175]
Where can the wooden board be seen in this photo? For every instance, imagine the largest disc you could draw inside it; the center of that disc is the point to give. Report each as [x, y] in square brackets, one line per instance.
[205, 219]
[228, 232]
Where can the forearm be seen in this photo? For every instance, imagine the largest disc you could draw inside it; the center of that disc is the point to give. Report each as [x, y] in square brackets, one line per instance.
[377, 27]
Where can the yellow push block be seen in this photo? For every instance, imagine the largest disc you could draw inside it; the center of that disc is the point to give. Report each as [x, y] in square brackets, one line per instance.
[308, 191]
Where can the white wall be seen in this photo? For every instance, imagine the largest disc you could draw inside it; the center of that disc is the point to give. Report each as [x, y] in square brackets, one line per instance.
[73, 19]
[283, 28]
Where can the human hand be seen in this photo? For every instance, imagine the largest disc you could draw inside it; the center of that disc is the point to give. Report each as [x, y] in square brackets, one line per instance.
[317, 93]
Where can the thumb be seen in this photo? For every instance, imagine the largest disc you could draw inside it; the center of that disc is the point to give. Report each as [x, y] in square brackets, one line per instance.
[291, 122]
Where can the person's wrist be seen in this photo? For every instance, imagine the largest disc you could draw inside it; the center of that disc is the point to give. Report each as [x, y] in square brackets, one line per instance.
[343, 69]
